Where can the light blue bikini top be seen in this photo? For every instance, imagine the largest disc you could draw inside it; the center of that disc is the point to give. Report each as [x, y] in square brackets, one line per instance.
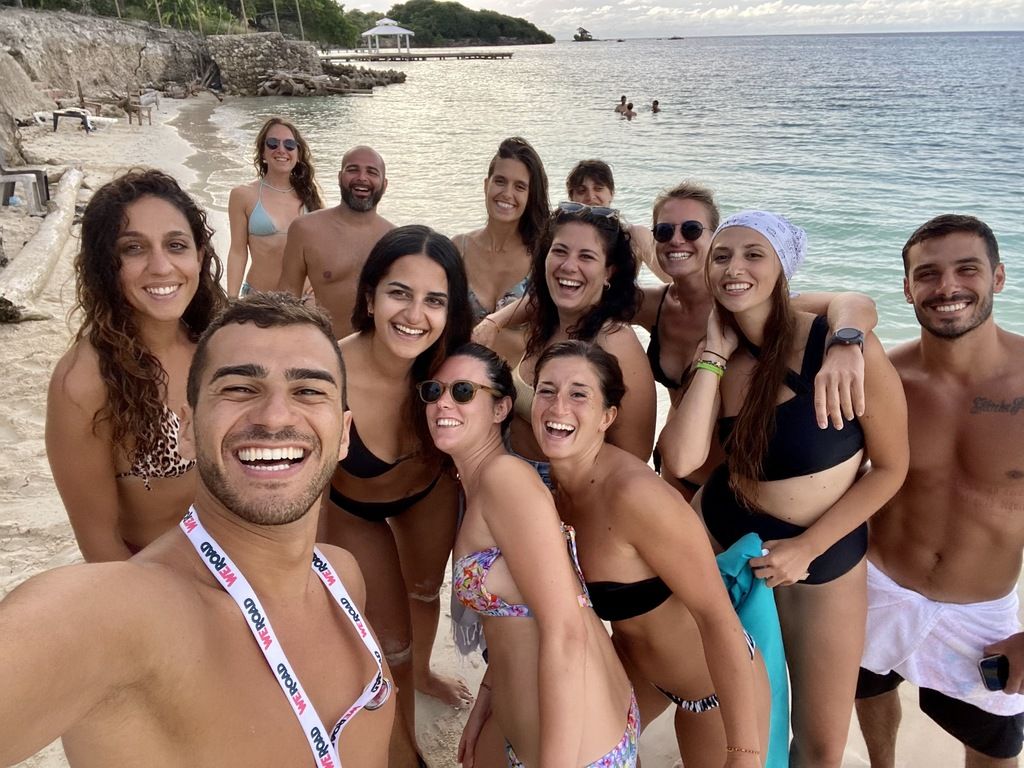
[260, 223]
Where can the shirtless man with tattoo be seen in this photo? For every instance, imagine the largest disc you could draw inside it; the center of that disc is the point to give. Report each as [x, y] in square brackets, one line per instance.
[945, 554]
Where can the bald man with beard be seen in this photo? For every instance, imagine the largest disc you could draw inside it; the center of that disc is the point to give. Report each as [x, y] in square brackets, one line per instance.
[330, 246]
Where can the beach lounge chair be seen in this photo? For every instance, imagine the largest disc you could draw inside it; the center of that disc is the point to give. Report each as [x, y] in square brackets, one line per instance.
[75, 113]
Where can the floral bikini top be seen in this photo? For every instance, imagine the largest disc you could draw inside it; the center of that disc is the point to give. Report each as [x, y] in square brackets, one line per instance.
[471, 572]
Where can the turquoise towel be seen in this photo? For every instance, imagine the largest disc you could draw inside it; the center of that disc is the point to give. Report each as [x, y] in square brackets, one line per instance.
[755, 604]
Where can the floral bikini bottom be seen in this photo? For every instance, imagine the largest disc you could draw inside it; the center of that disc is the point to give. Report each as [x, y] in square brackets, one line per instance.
[623, 754]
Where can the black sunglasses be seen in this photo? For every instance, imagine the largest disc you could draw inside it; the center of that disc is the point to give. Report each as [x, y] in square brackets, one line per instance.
[462, 391]
[290, 144]
[690, 230]
[596, 210]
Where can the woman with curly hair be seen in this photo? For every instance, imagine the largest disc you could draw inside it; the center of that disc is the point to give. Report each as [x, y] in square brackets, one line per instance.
[582, 286]
[147, 284]
[260, 211]
[497, 256]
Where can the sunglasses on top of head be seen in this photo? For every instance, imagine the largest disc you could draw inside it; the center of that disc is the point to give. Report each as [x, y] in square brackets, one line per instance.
[690, 230]
[596, 210]
[462, 391]
[290, 144]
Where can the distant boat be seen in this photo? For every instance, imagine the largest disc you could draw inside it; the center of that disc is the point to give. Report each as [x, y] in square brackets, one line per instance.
[582, 36]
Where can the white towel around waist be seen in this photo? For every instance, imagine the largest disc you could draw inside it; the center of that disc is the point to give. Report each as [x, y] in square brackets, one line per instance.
[937, 645]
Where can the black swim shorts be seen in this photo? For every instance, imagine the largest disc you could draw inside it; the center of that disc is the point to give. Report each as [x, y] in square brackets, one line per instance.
[997, 736]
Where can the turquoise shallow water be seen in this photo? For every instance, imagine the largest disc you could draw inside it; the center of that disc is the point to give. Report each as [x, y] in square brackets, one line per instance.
[858, 138]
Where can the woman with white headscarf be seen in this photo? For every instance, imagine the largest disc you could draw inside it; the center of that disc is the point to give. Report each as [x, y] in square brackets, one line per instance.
[806, 491]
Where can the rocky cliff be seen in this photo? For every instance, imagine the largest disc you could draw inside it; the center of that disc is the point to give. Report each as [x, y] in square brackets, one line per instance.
[19, 98]
[57, 49]
[109, 57]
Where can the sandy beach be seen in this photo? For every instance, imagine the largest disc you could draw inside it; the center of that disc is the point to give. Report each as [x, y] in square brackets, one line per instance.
[34, 531]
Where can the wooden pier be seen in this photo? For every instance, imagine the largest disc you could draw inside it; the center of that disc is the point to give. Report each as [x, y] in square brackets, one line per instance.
[332, 58]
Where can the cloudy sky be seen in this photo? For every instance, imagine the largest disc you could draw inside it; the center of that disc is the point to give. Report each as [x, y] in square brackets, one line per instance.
[691, 18]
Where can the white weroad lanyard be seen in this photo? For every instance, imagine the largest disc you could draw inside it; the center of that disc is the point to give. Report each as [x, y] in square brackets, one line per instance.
[323, 746]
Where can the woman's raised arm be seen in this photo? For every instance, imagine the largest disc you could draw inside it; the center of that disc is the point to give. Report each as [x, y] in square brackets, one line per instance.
[685, 440]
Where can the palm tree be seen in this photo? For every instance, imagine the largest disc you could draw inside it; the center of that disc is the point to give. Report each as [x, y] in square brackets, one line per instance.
[298, 12]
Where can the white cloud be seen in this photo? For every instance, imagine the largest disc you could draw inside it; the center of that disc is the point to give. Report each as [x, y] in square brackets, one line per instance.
[644, 18]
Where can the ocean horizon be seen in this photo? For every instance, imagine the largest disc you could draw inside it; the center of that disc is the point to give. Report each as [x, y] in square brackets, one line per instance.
[857, 137]
[877, 33]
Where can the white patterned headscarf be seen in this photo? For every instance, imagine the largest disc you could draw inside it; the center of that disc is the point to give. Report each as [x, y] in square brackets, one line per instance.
[788, 240]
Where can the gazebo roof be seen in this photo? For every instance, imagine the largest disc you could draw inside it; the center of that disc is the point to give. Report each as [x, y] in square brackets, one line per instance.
[388, 27]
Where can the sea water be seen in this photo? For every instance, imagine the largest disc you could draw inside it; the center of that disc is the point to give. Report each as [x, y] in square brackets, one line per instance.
[857, 138]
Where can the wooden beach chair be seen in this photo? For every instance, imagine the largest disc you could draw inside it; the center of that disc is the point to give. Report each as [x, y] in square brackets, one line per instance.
[140, 103]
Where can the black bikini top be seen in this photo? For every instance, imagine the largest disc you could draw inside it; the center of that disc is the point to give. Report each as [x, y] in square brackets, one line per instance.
[654, 350]
[617, 602]
[798, 446]
[360, 462]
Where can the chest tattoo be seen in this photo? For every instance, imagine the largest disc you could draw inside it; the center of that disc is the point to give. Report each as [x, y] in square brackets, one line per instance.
[984, 405]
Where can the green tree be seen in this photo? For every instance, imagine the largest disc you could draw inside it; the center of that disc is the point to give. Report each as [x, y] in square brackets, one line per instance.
[440, 23]
[360, 22]
[326, 23]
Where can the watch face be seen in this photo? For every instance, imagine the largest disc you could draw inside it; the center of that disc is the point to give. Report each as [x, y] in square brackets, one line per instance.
[849, 335]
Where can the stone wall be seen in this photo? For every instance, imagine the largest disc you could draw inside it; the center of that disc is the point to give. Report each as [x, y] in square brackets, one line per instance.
[56, 49]
[245, 60]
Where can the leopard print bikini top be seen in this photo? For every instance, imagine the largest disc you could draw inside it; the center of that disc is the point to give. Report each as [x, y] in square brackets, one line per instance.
[164, 461]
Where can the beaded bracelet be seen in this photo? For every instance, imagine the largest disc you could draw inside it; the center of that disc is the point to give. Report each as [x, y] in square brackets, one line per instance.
[744, 750]
[711, 365]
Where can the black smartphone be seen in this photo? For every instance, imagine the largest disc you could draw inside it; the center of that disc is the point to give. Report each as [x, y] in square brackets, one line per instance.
[994, 672]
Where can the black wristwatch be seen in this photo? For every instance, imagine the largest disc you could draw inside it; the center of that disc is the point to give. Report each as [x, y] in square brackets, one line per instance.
[846, 337]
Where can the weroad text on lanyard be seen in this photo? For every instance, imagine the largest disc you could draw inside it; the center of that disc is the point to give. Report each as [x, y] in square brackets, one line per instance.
[323, 746]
